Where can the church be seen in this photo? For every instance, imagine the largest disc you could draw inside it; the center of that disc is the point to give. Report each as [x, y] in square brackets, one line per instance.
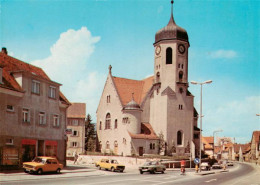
[155, 115]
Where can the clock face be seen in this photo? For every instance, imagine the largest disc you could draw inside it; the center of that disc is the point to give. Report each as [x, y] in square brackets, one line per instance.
[181, 48]
[158, 50]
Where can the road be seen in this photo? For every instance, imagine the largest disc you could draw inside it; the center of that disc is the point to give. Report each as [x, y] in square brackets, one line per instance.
[241, 174]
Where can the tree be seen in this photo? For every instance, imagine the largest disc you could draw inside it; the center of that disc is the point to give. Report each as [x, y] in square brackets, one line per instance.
[90, 134]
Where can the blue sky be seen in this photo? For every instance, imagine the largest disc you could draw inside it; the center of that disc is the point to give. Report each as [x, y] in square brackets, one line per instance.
[76, 41]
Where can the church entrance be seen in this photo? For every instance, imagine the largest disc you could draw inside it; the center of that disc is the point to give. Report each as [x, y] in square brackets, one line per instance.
[141, 151]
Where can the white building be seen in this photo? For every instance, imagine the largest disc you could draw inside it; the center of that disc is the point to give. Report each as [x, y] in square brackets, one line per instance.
[132, 114]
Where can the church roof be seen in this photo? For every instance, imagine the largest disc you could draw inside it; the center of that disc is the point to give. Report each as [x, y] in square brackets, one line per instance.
[171, 32]
[12, 65]
[147, 132]
[126, 88]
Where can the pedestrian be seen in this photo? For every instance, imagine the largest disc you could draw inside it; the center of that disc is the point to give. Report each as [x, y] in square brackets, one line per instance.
[75, 157]
[183, 162]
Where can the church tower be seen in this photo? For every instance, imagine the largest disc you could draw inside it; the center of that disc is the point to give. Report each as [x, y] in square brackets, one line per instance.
[171, 56]
[171, 104]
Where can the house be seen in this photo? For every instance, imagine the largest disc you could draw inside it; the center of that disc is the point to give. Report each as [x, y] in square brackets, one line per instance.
[156, 114]
[76, 115]
[208, 145]
[32, 113]
[240, 152]
[255, 147]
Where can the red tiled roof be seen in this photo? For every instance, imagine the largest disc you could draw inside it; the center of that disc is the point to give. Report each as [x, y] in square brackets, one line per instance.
[11, 65]
[205, 141]
[148, 132]
[245, 147]
[77, 110]
[209, 139]
[125, 88]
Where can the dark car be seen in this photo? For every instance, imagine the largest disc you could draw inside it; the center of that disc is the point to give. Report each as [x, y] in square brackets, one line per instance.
[152, 167]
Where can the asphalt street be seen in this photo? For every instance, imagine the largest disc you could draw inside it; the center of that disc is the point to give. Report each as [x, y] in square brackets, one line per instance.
[241, 174]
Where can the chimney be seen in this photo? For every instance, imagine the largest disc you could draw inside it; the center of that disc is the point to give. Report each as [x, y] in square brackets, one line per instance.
[4, 50]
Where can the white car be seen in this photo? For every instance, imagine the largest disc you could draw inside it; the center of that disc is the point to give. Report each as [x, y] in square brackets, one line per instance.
[205, 166]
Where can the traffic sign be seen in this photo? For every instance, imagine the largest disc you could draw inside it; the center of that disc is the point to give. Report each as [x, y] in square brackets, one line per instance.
[196, 160]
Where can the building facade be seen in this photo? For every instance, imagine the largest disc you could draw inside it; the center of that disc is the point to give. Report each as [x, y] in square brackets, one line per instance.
[255, 147]
[32, 113]
[156, 114]
[76, 115]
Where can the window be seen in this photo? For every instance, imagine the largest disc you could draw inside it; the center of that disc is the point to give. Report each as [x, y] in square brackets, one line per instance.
[42, 118]
[179, 137]
[75, 133]
[125, 120]
[108, 99]
[100, 125]
[56, 121]
[124, 141]
[115, 123]
[169, 56]
[10, 108]
[75, 122]
[26, 115]
[181, 90]
[74, 144]
[196, 136]
[180, 76]
[152, 146]
[158, 77]
[108, 121]
[35, 87]
[180, 107]
[9, 141]
[52, 92]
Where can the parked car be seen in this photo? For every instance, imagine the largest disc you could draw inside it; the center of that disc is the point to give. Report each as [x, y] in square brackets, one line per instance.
[229, 163]
[42, 164]
[152, 167]
[110, 164]
[205, 166]
[216, 166]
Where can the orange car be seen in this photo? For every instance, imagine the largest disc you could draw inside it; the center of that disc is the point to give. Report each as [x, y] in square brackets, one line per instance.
[42, 164]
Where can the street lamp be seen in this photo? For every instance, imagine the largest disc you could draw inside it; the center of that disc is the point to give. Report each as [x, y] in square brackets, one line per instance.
[201, 83]
[214, 141]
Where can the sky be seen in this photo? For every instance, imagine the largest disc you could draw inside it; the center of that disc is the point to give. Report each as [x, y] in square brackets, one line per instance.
[74, 42]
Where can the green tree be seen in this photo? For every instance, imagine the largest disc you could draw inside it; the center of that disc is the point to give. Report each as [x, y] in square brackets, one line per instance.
[90, 134]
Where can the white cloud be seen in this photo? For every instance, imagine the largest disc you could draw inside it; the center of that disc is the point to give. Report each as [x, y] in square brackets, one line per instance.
[237, 118]
[227, 54]
[68, 65]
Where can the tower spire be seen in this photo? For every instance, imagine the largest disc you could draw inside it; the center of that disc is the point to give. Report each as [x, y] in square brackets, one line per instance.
[172, 7]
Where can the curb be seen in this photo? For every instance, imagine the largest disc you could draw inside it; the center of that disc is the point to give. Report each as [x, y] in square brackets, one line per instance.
[209, 173]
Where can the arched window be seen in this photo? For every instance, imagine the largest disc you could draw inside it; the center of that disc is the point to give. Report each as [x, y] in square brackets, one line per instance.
[180, 76]
[115, 123]
[169, 56]
[179, 137]
[100, 125]
[158, 77]
[108, 121]
[151, 146]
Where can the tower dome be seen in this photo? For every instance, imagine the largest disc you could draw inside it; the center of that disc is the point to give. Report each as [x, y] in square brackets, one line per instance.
[132, 105]
[171, 32]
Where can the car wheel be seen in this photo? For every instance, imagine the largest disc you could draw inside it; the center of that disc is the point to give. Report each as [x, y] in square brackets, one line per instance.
[39, 171]
[113, 169]
[163, 170]
[151, 171]
[26, 171]
[141, 172]
[58, 171]
[121, 171]
[99, 167]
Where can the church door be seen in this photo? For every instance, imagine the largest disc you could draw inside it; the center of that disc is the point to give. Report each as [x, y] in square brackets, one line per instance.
[141, 151]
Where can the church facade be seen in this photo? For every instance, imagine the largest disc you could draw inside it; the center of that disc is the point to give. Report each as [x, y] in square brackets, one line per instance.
[155, 115]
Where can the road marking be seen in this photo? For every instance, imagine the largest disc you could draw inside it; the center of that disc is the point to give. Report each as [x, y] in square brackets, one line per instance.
[211, 180]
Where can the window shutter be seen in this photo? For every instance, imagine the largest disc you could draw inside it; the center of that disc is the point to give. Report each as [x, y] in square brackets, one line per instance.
[31, 117]
[37, 117]
[47, 118]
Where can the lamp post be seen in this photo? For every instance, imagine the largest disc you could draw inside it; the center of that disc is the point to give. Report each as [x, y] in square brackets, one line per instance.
[214, 141]
[201, 83]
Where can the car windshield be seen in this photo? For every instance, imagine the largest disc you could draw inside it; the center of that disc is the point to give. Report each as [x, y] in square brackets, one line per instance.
[39, 160]
[114, 161]
[147, 163]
